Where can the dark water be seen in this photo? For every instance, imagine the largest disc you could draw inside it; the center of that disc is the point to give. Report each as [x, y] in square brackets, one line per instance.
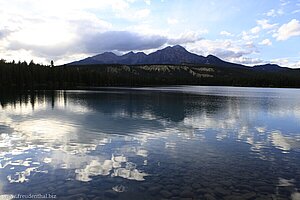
[151, 143]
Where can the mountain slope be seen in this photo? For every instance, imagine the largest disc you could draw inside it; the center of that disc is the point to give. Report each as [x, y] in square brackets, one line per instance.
[173, 55]
[269, 68]
[176, 55]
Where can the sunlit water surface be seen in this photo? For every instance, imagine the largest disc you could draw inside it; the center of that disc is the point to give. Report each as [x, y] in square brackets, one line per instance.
[152, 143]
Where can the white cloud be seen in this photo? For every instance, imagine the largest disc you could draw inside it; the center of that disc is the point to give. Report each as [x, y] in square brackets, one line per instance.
[264, 23]
[229, 50]
[284, 2]
[296, 65]
[280, 12]
[142, 13]
[250, 44]
[187, 37]
[58, 29]
[296, 11]
[248, 36]
[226, 33]
[247, 61]
[172, 21]
[266, 42]
[281, 61]
[292, 62]
[271, 13]
[274, 13]
[291, 29]
[255, 30]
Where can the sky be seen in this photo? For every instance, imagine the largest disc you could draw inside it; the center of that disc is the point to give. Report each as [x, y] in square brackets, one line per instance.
[249, 32]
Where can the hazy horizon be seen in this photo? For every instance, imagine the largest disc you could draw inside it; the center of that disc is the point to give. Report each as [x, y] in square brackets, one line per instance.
[244, 32]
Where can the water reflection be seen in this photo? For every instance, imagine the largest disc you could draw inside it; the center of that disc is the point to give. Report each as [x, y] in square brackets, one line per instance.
[206, 142]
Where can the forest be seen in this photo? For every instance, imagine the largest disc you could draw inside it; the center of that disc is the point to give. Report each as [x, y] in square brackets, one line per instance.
[23, 75]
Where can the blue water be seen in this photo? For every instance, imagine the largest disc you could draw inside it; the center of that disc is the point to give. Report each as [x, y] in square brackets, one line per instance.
[188, 142]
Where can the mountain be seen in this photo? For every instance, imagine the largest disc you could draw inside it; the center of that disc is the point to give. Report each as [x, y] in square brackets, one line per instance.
[132, 58]
[269, 68]
[175, 55]
[107, 57]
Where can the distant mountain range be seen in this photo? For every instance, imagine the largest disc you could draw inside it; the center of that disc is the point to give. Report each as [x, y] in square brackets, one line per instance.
[176, 55]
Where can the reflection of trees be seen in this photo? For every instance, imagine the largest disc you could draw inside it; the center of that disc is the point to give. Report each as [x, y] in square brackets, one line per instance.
[171, 106]
[121, 111]
[14, 97]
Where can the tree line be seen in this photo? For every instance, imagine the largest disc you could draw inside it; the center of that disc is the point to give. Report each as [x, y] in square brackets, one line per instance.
[23, 75]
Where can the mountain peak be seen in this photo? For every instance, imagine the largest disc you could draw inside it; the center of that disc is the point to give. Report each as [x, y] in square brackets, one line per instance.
[269, 67]
[178, 47]
[213, 58]
[171, 55]
[141, 53]
[129, 53]
[175, 47]
[175, 55]
[108, 54]
[106, 57]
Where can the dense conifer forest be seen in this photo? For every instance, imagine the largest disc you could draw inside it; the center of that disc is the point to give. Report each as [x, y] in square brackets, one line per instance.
[24, 75]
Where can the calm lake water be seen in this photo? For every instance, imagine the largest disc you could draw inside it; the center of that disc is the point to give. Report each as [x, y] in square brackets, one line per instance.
[151, 143]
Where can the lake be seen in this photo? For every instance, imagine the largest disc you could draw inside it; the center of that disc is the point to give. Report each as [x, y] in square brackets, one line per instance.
[189, 142]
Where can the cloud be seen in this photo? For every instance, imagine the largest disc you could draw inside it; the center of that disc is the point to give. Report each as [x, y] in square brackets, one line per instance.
[142, 13]
[280, 12]
[264, 23]
[266, 42]
[53, 37]
[296, 11]
[224, 53]
[249, 36]
[62, 30]
[226, 33]
[133, 41]
[247, 61]
[281, 61]
[86, 36]
[292, 62]
[188, 37]
[42, 51]
[229, 50]
[255, 30]
[172, 21]
[274, 13]
[296, 65]
[271, 13]
[284, 2]
[291, 29]
[121, 41]
[4, 33]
